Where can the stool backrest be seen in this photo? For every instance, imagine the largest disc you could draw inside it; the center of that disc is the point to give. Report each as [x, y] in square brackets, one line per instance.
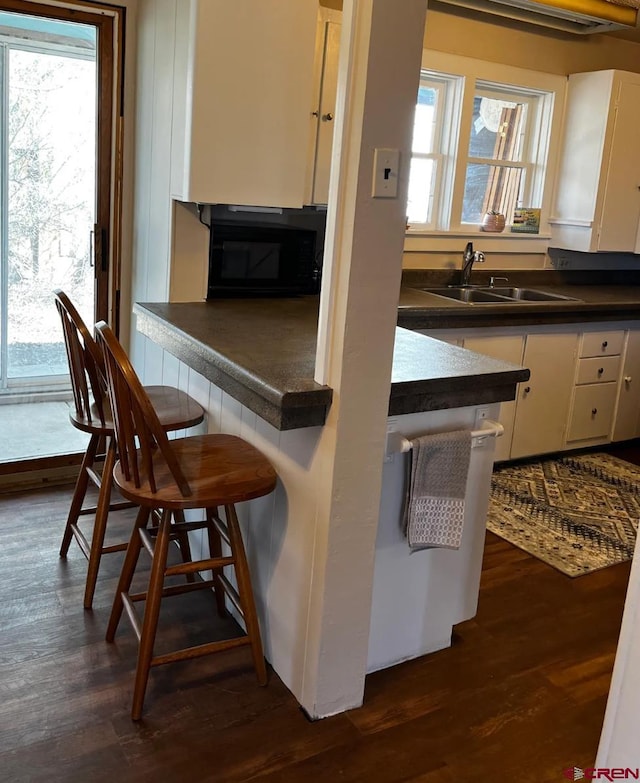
[134, 415]
[84, 358]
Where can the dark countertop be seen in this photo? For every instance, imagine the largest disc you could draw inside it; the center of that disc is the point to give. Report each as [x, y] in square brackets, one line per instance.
[262, 353]
[594, 302]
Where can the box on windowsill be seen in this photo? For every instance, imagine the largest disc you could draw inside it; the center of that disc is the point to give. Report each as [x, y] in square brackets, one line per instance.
[526, 221]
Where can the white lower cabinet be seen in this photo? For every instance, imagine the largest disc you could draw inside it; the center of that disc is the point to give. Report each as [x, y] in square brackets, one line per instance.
[584, 388]
[542, 406]
[627, 417]
[596, 389]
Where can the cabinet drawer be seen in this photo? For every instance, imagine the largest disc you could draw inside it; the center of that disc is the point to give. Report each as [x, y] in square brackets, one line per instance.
[602, 343]
[592, 415]
[598, 369]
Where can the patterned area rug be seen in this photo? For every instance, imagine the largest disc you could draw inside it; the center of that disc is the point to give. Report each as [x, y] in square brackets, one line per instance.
[577, 513]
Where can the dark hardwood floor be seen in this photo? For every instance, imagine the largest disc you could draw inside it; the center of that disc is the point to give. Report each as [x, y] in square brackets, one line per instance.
[519, 697]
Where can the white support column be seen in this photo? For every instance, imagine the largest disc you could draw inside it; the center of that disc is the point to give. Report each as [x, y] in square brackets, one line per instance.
[378, 80]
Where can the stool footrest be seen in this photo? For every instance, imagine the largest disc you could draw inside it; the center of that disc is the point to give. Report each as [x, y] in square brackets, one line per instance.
[83, 543]
[134, 618]
[85, 546]
[107, 550]
[231, 591]
[112, 507]
[200, 650]
[221, 528]
[189, 587]
[210, 564]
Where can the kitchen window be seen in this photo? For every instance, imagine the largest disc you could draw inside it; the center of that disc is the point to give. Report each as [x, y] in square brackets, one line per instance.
[506, 156]
[433, 142]
[485, 140]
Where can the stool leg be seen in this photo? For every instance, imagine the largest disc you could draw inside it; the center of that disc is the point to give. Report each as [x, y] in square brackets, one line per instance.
[79, 492]
[246, 594]
[151, 614]
[183, 544]
[100, 523]
[215, 550]
[128, 570]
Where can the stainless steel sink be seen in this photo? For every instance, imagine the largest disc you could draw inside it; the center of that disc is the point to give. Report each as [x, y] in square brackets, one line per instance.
[468, 295]
[530, 295]
[497, 295]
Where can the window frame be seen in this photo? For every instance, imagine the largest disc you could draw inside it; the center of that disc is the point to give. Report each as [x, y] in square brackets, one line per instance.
[546, 123]
[445, 141]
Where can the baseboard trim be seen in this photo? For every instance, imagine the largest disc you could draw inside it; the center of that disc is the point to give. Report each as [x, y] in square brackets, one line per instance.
[35, 473]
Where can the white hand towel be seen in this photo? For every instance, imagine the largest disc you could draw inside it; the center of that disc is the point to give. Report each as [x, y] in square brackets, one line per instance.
[434, 507]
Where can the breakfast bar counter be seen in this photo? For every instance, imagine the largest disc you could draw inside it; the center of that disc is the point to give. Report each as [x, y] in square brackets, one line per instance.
[262, 353]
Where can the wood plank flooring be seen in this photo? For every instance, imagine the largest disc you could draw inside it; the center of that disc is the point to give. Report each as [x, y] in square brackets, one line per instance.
[519, 696]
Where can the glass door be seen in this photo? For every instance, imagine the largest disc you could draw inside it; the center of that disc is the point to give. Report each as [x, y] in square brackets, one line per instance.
[48, 99]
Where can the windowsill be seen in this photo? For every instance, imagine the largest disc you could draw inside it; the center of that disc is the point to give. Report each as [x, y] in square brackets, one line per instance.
[485, 241]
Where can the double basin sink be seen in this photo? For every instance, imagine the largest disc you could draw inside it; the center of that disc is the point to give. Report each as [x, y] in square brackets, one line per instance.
[497, 295]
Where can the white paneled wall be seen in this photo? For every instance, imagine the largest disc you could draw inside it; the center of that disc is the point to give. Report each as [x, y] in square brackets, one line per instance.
[153, 207]
[278, 529]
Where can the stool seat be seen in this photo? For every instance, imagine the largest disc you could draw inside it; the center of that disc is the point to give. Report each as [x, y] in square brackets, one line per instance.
[176, 410]
[220, 469]
[165, 478]
[92, 414]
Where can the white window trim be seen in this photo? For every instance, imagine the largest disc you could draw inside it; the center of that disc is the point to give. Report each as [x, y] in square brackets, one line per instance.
[471, 69]
[445, 141]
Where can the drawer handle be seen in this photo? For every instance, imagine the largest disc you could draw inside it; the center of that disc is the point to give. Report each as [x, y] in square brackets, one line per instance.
[594, 411]
[600, 370]
[604, 344]
[527, 389]
[627, 379]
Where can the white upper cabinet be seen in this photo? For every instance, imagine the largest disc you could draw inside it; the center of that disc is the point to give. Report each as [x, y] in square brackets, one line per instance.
[324, 105]
[243, 78]
[597, 206]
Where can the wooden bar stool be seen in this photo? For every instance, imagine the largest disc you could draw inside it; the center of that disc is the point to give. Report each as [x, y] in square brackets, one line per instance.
[197, 472]
[92, 414]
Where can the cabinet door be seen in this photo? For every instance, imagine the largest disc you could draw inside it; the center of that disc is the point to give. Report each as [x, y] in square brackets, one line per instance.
[542, 409]
[326, 108]
[620, 216]
[242, 90]
[508, 348]
[627, 419]
[592, 414]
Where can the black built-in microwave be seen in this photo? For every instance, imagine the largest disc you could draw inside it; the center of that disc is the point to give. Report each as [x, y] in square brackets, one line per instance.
[261, 260]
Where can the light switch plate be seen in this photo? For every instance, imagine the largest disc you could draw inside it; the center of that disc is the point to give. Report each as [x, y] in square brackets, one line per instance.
[386, 164]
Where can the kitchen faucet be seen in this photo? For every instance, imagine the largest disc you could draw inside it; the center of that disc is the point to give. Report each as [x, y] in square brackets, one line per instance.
[468, 257]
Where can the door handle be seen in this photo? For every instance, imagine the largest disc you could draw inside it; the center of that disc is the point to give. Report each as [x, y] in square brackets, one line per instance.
[101, 242]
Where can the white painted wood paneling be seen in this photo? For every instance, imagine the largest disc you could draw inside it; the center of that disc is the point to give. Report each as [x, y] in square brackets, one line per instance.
[419, 596]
